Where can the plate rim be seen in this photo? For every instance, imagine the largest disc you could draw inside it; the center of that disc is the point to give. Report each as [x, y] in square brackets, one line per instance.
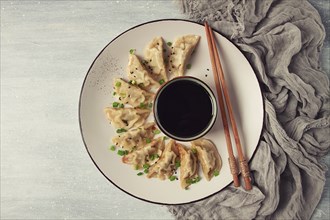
[80, 123]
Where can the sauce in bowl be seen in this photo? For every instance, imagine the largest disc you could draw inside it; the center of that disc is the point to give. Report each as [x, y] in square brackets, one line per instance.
[185, 108]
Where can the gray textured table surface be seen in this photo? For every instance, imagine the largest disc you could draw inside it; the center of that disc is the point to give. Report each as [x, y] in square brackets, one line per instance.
[46, 50]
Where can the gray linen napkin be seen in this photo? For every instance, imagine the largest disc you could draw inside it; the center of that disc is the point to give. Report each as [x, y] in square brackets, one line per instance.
[282, 41]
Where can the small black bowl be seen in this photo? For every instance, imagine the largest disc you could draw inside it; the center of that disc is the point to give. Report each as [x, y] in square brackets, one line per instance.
[185, 108]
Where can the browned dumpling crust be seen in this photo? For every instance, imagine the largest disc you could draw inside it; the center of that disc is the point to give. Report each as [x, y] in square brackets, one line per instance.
[131, 94]
[154, 59]
[149, 154]
[208, 157]
[135, 138]
[181, 51]
[189, 166]
[126, 118]
[165, 166]
[138, 74]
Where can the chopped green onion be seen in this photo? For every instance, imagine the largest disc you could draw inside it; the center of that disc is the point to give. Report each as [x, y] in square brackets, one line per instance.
[193, 181]
[114, 93]
[115, 104]
[189, 66]
[161, 81]
[139, 174]
[121, 105]
[156, 131]
[146, 170]
[137, 167]
[216, 173]
[142, 105]
[150, 105]
[172, 178]
[197, 179]
[131, 51]
[121, 130]
[112, 148]
[194, 150]
[118, 84]
[165, 138]
[122, 152]
[148, 140]
[153, 156]
[177, 164]
[146, 166]
[169, 44]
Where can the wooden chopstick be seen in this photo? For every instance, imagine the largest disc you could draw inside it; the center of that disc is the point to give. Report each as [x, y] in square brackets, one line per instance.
[220, 77]
[231, 159]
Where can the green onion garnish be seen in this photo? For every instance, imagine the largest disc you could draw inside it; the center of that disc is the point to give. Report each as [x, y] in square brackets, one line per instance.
[153, 156]
[216, 173]
[189, 66]
[146, 166]
[139, 174]
[194, 150]
[121, 130]
[122, 152]
[172, 178]
[177, 164]
[165, 138]
[121, 105]
[156, 131]
[161, 81]
[146, 170]
[114, 93]
[115, 104]
[118, 84]
[148, 140]
[142, 105]
[131, 51]
[150, 105]
[137, 167]
[113, 148]
[169, 44]
[193, 181]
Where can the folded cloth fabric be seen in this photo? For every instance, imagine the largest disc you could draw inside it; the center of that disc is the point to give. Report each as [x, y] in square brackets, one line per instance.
[282, 41]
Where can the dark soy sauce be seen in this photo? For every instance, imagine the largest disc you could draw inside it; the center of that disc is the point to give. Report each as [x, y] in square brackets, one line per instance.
[184, 108]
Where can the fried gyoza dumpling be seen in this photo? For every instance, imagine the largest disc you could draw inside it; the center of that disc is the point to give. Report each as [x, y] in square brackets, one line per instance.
[165, 166]
[189, 166]
[154, 59]
[135, 138]
[126, 118]
[181, 51]
[130, 94]
[208, 157]
[137, 73]
[145, 155]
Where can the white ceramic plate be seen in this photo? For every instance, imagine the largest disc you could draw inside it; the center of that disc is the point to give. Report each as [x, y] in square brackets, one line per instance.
[97, 91]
